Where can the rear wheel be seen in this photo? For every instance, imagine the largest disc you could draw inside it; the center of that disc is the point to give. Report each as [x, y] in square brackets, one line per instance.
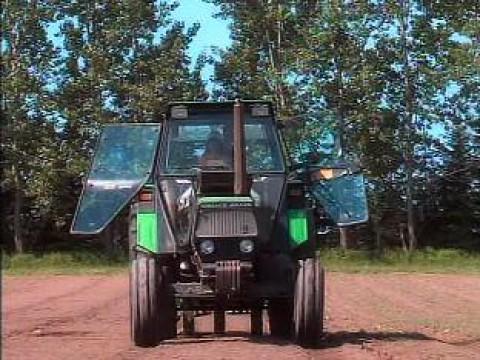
[256, 322]
[219, 322]
[152, 304]
[309, 302]
[188, 322]
[280, 312]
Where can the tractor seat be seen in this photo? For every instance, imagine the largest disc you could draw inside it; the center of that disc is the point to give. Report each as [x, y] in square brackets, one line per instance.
[217, 182]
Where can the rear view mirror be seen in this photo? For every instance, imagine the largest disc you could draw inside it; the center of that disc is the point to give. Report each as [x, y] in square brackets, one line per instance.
[327, 174]
[328, 169]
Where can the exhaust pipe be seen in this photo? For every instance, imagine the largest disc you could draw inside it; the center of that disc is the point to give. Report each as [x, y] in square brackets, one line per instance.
[239, 152]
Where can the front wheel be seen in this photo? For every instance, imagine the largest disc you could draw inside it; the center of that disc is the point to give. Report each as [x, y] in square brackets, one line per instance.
[152, 302]
[309, 302]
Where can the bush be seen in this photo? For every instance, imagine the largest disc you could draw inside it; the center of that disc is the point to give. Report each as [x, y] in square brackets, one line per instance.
[426, 260]
[64, 262]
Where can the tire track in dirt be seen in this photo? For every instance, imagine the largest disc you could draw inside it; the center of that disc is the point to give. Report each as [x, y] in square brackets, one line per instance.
[84, 317]
[357, 318]
[77, 326]
[369, 317]
[418, 300]
[77, 303]
[396, 302]
[62, 321]
[347, 306]
[39, 294]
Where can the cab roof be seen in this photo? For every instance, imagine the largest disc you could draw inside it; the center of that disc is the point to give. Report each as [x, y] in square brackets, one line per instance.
[227, 103]
[195, 107]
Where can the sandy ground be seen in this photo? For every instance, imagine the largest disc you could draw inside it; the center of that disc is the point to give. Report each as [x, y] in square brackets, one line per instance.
[394, 316]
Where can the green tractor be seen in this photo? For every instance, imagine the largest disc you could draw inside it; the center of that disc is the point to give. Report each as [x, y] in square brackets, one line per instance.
[218, 221]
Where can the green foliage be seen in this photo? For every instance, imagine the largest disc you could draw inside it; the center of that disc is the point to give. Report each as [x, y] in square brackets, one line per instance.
[28, 136]
[420, 261]
[88, 262]
[396, 81]
[381, 75]
[110, 62]
[66, 262]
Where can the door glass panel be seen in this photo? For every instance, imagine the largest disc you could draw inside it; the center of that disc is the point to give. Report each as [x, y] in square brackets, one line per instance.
[343, 198]
[122, 163]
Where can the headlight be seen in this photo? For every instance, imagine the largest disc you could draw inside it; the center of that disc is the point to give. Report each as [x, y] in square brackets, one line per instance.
[246, 246]
[207, 247]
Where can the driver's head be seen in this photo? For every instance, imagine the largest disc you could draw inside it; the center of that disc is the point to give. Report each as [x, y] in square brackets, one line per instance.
[214, 145]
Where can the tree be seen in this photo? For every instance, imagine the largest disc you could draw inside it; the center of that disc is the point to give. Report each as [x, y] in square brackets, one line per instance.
[126, 60]
[27, 56]
[456, 204]
[344, 63]
[418, 36]
[336, 75]
[109, 62]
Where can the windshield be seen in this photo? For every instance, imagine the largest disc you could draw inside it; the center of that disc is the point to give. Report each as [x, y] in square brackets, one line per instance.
[207, 143]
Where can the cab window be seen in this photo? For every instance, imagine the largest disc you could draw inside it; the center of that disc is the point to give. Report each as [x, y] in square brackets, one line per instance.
[207, 142]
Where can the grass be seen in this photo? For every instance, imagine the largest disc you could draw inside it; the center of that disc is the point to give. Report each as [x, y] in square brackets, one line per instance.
[421, 261]
[90, 262]
[62, 263]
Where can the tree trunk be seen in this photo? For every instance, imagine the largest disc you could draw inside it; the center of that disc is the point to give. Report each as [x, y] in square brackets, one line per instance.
[114, 235]
[378, 236]
[107, 240]
[120, 234]
[344, 238]
[412, 237]
[409, 126]
[402, 237]
[17, 222]
[340, 111]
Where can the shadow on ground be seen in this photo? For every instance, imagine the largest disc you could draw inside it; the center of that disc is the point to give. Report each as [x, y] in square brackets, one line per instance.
[340, 338]
[330, 340]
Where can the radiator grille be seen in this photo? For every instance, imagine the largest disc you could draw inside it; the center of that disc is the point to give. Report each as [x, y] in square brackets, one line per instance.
[226, 222]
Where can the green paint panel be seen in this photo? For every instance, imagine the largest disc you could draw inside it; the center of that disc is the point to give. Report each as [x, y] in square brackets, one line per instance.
[298, 226]
[147, 231]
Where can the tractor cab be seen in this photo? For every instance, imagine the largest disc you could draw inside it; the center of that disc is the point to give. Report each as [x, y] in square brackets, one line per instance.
[217, 220]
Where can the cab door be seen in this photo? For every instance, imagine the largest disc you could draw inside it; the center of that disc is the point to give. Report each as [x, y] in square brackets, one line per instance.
[341, 192]
[123, 162]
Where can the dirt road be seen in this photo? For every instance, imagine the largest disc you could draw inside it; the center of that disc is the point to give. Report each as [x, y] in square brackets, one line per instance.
[394, 316]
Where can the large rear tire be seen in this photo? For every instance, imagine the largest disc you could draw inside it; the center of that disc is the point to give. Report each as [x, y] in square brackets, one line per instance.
[152, 303]
[309, 303]
[256, 322]
[219, 322]
[280, 312]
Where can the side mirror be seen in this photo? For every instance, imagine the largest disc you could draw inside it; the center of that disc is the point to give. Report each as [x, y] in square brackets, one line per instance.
[332, 169]
[327, 174]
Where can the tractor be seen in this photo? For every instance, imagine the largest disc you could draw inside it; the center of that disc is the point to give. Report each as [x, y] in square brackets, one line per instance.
[219, 220]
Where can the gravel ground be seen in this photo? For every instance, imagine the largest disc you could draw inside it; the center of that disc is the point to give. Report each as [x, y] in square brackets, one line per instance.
[374, 316]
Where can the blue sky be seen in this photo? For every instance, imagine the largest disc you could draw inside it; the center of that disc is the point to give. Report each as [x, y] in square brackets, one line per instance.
[213, 31]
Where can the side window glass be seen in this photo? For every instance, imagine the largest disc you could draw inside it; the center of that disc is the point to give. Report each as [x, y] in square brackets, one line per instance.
[263, 152]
